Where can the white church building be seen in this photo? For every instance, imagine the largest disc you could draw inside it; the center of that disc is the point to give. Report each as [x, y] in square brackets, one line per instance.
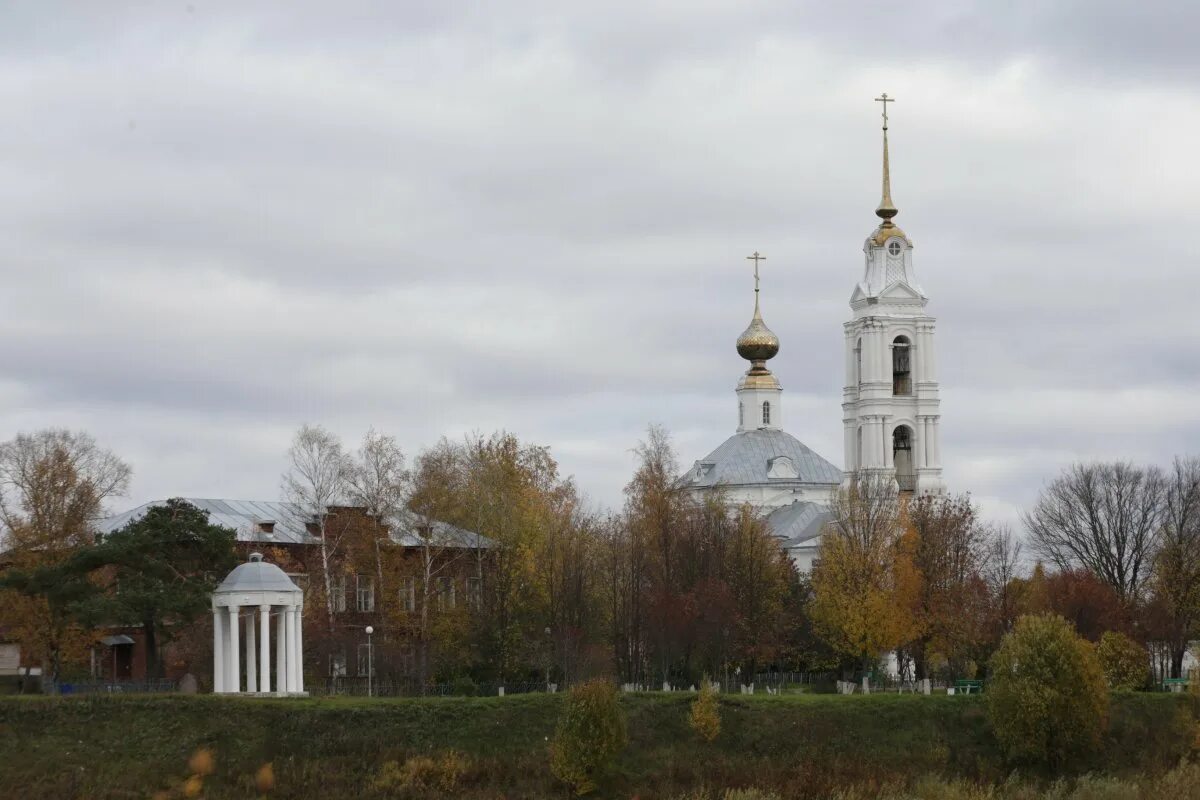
[890, 405]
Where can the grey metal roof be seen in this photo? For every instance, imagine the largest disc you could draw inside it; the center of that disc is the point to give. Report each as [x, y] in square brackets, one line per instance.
[243, 516]
[798, 523]
[257, 575]
[745, 459]
[246, 516]
[405, 529]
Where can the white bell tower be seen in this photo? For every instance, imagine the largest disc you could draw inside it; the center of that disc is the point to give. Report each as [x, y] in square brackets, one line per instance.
[890, 404]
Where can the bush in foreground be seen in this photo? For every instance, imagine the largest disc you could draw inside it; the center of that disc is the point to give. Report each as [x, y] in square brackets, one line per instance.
[705, 716]
[1126, 663]
[1047, 698]
[591, 733]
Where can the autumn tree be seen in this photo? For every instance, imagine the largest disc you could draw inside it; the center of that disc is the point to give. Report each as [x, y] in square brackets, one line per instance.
[438, 548]
[53, 486]
[1103, 517]
[1176, 581]
[949, 548]
[1001, 572]
[864, 583]
[694, 585]
[1047, 697]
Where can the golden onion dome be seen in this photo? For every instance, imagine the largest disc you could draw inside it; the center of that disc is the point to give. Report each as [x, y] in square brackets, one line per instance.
[886, 231]
[757, 342]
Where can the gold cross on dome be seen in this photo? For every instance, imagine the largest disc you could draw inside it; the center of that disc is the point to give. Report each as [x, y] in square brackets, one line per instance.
[756, 258]
[885, 100]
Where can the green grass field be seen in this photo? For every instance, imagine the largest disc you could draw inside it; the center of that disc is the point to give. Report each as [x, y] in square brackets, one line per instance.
[331, 748]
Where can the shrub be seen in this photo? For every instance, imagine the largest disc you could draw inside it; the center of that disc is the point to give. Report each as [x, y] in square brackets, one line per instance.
[464, 686]
[749, 794]
[1047, 697]
[422, 772]
[590, 735]
[1126, 663]
[705, 718]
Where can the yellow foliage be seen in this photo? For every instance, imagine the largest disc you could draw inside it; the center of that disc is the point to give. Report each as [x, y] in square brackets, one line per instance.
[865, 584]
[264, 779]
[705, 716]
[422, 772]
[193, 786]
[202, 762]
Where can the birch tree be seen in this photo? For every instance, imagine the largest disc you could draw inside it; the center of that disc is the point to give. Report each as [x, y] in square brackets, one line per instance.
[314, 483]
[432, 501]
[378, 482]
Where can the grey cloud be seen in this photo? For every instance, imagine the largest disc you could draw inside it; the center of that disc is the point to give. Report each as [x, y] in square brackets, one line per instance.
[217, 223]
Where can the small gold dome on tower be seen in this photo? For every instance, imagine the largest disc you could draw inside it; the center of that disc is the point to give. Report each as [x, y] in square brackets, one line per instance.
[757, 342]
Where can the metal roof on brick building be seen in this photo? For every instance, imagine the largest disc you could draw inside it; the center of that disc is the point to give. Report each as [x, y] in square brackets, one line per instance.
[273, 522]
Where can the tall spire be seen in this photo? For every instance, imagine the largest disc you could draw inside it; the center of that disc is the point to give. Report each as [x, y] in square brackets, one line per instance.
[887, 209]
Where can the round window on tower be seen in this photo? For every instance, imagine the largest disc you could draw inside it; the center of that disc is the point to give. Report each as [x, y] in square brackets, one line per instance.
[893, 248]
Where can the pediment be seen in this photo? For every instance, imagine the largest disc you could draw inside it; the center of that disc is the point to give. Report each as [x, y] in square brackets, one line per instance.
[899, 290]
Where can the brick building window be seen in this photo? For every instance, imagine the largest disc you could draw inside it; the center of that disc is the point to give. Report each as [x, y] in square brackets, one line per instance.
[365, 593]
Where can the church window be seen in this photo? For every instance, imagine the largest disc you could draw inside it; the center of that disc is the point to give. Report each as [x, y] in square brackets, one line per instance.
[766, 413]
[742, 414]
[901, 366]
[894, 248]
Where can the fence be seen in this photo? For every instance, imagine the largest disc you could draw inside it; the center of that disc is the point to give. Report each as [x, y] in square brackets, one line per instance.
[117, 687]
[357, 686]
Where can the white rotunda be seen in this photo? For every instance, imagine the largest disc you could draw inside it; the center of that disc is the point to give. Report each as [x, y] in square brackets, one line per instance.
[252, 594]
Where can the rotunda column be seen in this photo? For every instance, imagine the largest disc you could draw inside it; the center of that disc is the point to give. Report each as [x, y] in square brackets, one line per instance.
[232, 678]
[218, 650]
[264, 658]
[251, 656]
[300, 648]
[281, 665]
[291, 648]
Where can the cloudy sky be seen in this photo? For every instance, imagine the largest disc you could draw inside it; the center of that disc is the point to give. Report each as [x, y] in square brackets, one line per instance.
[221, 220]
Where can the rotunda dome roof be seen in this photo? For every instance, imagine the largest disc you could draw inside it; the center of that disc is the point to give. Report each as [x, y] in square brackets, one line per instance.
[257, 575]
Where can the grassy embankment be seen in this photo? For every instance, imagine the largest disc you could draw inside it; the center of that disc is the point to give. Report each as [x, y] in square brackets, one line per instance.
[799, 746]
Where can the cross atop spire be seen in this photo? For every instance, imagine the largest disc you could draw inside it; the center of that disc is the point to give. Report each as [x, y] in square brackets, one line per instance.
[887, 209]
[756, 258]
[883, 98]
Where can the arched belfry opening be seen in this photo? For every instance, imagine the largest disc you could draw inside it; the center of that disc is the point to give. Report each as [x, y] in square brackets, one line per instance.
[902, 439]
[901, 366]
